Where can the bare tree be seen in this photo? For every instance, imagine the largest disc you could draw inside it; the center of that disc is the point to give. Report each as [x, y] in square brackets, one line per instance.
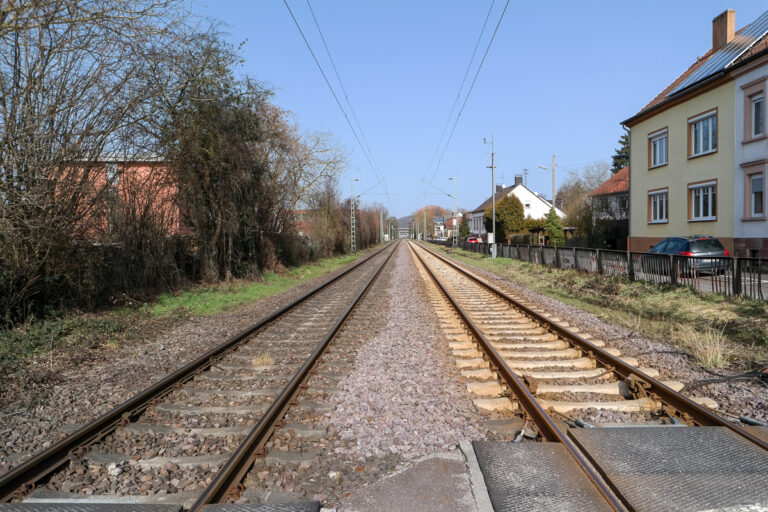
[70, 74]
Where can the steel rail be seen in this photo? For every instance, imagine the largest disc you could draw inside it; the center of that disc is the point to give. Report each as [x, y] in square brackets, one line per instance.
[530, 405]
[235, 469]
[50, 459]
[687, 408]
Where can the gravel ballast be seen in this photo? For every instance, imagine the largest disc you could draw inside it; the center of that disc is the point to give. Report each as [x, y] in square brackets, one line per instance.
[403, 395]
[748, 398]
[89, 382]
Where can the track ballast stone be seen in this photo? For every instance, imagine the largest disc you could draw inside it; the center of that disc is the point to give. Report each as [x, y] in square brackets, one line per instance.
[403, 396]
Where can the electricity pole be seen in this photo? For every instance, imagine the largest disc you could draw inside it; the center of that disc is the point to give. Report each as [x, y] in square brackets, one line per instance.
[352, 234]
[492, 167]
[424, 236]
[455, 237]
[381, 226]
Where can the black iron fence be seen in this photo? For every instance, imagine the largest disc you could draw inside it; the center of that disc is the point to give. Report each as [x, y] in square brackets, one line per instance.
[728, 276]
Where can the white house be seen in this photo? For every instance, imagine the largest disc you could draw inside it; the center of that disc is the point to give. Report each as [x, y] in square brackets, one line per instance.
[534, 206]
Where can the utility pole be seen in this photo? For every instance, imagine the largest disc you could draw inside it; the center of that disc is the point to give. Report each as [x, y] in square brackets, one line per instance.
[493, 199]
[455, 237]
[381, 226]
[425, 224]
[352, 234]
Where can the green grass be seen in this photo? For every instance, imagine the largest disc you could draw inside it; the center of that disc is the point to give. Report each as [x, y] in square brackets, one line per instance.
[141, 322]
[204, 301]
[716, 330]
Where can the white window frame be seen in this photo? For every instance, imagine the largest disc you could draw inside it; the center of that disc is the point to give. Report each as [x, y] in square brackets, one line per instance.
[703, 128]
[752, 202]
[658, 199]
[655, 140]
[696, 195]
[754, 100]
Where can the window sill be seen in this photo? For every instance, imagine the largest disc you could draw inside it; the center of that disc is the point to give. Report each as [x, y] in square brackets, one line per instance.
[691, 157]
[706, 219]
[657, 166]
[755, 139]
[659, 222]
[753, 219]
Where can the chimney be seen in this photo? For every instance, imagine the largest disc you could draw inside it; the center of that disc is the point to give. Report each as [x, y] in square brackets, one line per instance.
[518, 179]
[723, 29]
[499, 187]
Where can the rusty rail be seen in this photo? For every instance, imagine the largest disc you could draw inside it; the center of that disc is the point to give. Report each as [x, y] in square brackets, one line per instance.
[231, 474]
[533, 409]
[684, 407]
[49, 460]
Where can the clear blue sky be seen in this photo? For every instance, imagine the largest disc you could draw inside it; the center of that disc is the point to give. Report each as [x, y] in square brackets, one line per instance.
[559, 78]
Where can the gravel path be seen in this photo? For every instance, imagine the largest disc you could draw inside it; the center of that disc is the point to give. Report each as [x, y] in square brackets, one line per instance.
[749, 398]
[90, 382]
[403, 395]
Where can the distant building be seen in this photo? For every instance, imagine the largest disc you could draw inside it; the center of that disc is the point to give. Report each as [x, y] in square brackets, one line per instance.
[610, 210]
[439, 230]
[534, 205]
[452, 224]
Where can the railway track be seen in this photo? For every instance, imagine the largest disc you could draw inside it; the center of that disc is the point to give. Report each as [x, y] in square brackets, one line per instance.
[191, 438]
[519, 362]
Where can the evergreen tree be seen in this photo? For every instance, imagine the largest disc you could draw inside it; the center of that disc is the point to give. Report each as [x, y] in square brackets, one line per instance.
[553, 228]
[464, 227]
[510, 218]
[621, 156]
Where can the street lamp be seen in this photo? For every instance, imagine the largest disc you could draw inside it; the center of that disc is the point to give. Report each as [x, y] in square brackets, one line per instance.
[553, 178]
[493, 199]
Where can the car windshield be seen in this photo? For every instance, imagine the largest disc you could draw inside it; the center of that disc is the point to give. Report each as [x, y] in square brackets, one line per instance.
[706, 245]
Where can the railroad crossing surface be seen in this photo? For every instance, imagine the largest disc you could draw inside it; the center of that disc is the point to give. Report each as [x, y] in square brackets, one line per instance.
[497, 404]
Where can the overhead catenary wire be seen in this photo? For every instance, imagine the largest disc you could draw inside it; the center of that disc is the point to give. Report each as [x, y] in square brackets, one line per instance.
[376, 169]
[333, 92]
[469, 92]
[341, 83]
[461, 88]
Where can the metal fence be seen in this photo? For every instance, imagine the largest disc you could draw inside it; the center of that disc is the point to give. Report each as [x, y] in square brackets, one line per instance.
[729, 276]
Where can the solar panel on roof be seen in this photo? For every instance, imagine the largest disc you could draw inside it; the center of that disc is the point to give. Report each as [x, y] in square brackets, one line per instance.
[725, 56]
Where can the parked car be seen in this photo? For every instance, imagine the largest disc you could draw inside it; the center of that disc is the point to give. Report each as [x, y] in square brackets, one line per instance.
[705, 253]
[473, 240]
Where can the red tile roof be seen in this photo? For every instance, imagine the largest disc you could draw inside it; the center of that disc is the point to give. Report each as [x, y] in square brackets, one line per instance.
[616, 184]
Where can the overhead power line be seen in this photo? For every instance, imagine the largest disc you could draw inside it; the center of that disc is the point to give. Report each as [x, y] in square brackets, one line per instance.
[376, 169]
[469, 92]
[461, 88]
[333, 92]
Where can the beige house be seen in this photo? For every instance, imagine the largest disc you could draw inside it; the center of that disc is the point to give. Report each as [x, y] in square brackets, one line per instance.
[692, 169]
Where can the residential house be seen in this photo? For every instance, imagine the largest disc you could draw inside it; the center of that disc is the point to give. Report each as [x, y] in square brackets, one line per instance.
[452, 224]
[699, 149]
[439, 227]
[610, 211]
[140, 185]
[534, 205]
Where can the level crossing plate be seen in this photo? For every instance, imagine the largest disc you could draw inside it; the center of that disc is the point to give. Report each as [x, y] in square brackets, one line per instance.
[679, 468]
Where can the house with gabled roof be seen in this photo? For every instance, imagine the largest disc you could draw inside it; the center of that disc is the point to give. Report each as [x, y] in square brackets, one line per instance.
[699, 149]
[610, 210]
[534, 205]
[611, 199]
